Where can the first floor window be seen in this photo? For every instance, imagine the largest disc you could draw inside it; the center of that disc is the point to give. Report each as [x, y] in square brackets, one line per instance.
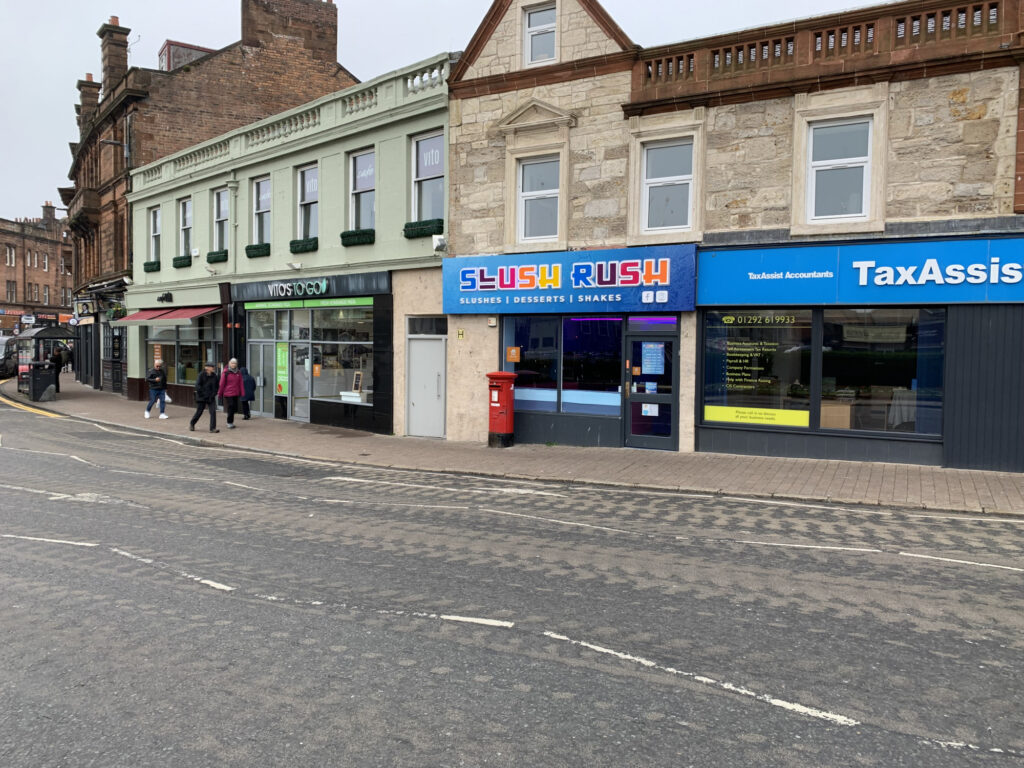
[185, 227]
[12, 291]
[261, 211]
[309, 196]
[35, 292]
[46, 262]
[428, 178]
[668, 184]
[538, 199]
[364, 187]
[154, 234]
[46, 294]
[840, 154]
[877, 370]
[220, 220]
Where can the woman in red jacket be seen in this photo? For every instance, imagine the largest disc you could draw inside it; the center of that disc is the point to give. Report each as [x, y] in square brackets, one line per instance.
[232, 387]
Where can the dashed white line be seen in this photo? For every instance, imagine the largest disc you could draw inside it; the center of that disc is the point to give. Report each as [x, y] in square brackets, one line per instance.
[183, 574]
[556, 521]
[962, 562]
[807, 546]
[485, 622]
[48, 541]
[790, 706]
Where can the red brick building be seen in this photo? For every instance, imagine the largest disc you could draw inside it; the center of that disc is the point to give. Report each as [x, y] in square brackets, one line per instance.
[35, 274]
[286, 57]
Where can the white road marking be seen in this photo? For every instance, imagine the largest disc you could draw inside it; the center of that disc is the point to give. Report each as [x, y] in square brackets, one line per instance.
[485, 622]
[556, 521]
[808, 546]
[48, 541]
[790, 706]
[183, 574]
[993, 519]
[511, 491]
[962, 562]
[247, 487]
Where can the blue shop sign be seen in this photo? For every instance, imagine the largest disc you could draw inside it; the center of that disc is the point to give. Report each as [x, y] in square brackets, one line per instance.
[969, 271]
[659, 278]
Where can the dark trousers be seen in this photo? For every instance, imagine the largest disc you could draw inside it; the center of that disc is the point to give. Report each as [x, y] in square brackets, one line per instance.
[231, 406]
[199, 412]
[245, 409]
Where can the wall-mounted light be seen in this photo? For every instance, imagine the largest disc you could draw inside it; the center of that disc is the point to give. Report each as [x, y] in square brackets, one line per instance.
[211, 270]
[295, 265]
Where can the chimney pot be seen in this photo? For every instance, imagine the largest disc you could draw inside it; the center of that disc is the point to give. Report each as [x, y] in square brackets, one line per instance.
[88, 77]
[115, 21]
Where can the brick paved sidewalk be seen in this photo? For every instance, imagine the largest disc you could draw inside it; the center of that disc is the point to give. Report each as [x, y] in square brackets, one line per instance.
[890, 485]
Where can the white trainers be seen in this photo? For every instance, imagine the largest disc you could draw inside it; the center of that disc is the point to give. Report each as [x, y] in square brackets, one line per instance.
[146, 414]
[164, 416]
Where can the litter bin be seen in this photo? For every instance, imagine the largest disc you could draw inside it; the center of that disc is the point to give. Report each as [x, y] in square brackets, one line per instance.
[501, 409]
[41, 376]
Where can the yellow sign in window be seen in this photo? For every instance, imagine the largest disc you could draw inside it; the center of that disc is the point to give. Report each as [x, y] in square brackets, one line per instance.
[775, 417]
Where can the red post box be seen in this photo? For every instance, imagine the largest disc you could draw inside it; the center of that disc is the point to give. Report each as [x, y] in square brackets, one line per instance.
[501, 409]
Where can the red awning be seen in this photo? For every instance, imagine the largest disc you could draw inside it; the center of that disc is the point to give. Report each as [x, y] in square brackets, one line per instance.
[187, 313]
[141, 317]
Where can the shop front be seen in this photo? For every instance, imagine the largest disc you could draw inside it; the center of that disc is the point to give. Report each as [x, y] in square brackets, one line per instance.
[320, 348]
[593, 338]
[886, 351]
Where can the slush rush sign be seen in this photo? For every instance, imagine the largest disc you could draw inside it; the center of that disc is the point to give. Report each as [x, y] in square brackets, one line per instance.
[651, 279]
[931, 272]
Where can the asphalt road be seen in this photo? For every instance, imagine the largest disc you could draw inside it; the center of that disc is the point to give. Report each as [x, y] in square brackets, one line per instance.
[167, 604]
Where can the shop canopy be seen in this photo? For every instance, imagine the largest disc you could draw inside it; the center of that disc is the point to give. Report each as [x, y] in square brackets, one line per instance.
[165, 317]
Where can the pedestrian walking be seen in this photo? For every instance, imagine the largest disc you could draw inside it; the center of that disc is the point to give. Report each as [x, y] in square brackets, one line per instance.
[57, 362]
[157, 381]
[250, 393]
[206, 397]
[231, 389]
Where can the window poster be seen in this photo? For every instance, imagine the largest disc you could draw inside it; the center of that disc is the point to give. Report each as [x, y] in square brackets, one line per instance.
[281, 369]
[653, 361]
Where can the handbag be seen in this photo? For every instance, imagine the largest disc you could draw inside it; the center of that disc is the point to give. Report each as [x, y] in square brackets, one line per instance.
[167, 397]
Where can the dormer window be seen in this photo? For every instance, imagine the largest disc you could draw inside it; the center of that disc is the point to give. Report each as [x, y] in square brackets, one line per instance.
[539, 37]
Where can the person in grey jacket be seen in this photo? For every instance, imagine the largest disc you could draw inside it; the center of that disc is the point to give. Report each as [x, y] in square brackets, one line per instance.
[206, 396]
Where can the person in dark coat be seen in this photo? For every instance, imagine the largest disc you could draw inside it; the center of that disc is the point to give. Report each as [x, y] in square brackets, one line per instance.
[58, 362]
[157, 381]
[231, 389]
[206, 397]
[250, 392]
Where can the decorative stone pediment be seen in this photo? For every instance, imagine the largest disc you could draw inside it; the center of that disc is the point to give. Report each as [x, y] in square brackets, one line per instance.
[536, 115]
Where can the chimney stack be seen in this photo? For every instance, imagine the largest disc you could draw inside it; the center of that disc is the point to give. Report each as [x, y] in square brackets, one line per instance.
[114, 49]
[314, 21]
[49, 211]
[88, 99]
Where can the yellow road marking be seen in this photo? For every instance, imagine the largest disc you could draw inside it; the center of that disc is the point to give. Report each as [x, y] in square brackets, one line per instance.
[29, 408]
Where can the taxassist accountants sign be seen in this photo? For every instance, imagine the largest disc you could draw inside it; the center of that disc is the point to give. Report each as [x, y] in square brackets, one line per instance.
[974, 271]
[649, 279]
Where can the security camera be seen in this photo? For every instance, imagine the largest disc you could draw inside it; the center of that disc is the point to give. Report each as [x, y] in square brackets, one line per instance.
[211, 270]
[440, 243]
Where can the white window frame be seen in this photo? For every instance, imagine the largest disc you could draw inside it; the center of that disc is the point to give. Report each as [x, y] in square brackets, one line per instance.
[46, 295]
[530, 32]
[185, 226]
[221, 215]
[35, 260]
[304, 203]
[153, 215]
[814, 167]
[11, 256]
[857, 104]
[257, 211]
[417, 214]
[12, 291]
[353, 193]
[35, 293]
[46, 262]
[522, 198]
[665, 181]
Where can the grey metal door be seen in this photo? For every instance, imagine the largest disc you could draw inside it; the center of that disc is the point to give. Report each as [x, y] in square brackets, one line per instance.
[261, 366]
[426, 387]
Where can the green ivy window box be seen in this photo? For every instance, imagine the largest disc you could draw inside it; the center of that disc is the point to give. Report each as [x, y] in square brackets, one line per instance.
[151, 266]
[423, 228]
[304, 246]
[358, 237]
[213, 257]
[182, 261]
[256, 251]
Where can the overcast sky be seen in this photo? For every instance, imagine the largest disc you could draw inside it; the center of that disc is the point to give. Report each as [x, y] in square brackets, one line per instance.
[46, 46]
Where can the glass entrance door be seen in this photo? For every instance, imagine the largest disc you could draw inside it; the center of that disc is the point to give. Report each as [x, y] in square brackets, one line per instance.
[261, 367]
[301, 370]
[651, 393]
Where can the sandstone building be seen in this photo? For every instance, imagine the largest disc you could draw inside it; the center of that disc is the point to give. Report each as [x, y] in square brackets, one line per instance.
[135, 115]
[35, 275]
